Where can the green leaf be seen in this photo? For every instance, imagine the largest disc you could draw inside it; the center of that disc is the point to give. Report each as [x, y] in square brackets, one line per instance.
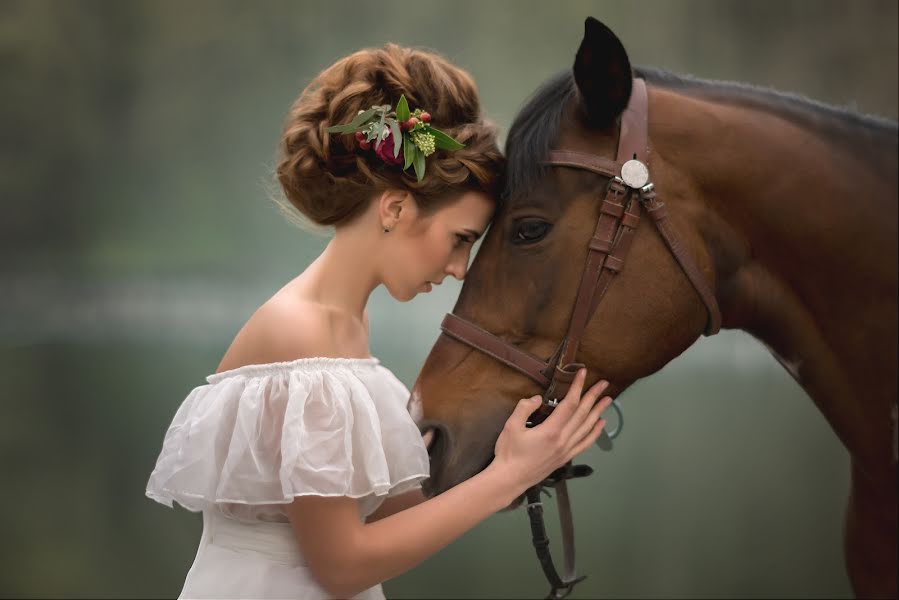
[362, 117]
[419, 163]
[443, 141]
[355, 124]
[397, 136]
[382, 130]
[402, 109]
[347, 128]
[409, 149]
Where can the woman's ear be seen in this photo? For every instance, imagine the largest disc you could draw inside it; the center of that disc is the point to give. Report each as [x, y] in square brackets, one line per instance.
[394, 205]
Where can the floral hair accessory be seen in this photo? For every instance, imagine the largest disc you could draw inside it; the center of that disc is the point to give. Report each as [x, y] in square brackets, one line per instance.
[382, 127]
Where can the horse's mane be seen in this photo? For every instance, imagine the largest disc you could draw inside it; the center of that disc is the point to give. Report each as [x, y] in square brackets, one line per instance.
[535, 128]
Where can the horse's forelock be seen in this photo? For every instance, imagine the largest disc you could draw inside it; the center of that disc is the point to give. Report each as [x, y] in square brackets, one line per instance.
[534, 131]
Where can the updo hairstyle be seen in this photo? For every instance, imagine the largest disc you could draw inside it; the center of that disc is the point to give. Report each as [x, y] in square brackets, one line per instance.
[330, 180]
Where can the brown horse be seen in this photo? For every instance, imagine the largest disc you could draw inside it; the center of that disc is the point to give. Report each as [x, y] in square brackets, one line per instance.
[789, 208]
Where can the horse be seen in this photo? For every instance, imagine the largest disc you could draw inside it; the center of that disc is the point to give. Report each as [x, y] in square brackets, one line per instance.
[787, 206]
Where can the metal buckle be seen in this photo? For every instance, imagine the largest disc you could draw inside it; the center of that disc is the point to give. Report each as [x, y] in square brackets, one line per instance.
[647, 198]
[567, 588]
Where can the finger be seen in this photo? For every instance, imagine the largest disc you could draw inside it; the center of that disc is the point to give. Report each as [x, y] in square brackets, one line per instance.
[589, 440]
[568, 404]
[523, 410]
[592, 415]
[587, 403]
[586, 425]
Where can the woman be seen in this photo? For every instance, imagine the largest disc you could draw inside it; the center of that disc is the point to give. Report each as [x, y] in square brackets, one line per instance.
[300, 450]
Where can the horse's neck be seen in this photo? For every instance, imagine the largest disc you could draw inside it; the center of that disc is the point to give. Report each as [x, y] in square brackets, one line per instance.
[803, 234]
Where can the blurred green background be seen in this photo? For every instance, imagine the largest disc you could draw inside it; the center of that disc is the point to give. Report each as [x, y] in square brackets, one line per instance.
[138, 235]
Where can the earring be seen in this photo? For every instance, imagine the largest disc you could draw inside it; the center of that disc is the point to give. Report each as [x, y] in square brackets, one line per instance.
[387, 230]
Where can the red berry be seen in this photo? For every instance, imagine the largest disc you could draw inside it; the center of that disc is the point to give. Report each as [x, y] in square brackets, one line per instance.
[412, 122]
[364, 144]
[426, 117]
[360, 136]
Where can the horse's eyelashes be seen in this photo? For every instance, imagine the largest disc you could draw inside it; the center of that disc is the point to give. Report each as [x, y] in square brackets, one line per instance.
[530, 231]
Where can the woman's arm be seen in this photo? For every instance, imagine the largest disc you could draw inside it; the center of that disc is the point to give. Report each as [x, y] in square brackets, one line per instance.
[403, 501]
[348, 556]
[395, 504]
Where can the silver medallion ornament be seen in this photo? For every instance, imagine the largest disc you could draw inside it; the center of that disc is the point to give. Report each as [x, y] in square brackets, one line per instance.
[634, 174]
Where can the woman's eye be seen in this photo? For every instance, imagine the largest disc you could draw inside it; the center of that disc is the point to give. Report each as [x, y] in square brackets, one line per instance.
[461, 239]
[530, 231]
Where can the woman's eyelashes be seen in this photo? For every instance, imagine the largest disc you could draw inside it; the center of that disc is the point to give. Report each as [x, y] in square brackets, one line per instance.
[462, 239]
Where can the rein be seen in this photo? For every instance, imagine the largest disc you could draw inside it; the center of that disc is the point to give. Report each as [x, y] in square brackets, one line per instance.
[627, 193]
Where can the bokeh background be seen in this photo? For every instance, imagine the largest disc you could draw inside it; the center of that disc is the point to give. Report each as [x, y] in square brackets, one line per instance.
[138, 235]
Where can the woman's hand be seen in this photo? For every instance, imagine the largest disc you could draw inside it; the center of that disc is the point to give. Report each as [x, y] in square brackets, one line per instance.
[529, 455]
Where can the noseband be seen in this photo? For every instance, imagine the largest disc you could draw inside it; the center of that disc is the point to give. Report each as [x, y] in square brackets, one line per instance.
[627, 192]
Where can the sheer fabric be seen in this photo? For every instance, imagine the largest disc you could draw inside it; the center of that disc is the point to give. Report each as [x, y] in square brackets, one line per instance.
[251, 439]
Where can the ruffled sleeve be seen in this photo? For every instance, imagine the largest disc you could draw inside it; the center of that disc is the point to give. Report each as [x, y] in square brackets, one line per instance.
[254, 438]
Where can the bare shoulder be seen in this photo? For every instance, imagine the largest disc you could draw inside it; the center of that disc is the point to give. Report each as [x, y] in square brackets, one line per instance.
[280, 331]
[285, 329]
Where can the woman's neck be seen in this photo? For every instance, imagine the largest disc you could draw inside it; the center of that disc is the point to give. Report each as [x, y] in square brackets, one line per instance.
[342, 277]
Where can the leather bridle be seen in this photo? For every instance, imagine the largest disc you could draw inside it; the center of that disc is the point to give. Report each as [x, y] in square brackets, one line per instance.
[627, 193]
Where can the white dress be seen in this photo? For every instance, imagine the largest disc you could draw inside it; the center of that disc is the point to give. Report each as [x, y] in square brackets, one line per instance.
[246, 443]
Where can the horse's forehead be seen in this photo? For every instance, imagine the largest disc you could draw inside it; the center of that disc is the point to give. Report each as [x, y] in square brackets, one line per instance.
[551, 192]
[544, 186]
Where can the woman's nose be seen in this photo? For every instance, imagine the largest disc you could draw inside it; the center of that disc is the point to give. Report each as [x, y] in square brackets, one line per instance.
[457, 268]
[457, 271]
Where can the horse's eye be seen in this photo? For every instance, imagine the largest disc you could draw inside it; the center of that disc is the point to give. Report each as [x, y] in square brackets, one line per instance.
[530, 231]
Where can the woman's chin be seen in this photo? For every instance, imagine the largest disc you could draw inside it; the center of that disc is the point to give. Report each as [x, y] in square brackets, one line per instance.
[404, 296]
[408, 294]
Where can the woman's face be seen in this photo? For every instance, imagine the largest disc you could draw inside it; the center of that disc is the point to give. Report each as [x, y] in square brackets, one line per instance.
[425, 249]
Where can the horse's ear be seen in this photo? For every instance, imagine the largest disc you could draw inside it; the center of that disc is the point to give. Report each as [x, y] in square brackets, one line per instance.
[603, 75]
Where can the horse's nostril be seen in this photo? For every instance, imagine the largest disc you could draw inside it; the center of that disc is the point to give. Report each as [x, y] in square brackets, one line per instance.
[436, 439]
[428, 437]
[436, 442]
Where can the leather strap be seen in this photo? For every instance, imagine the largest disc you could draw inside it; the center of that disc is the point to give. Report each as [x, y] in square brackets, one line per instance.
[633, 135]
[659, 214]
[615, 263]
[539, 538]
[610, 264]
[516, 358]
[601, 245]
[632, 139]
[562, 585]
[583, 160]
[566, 524]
